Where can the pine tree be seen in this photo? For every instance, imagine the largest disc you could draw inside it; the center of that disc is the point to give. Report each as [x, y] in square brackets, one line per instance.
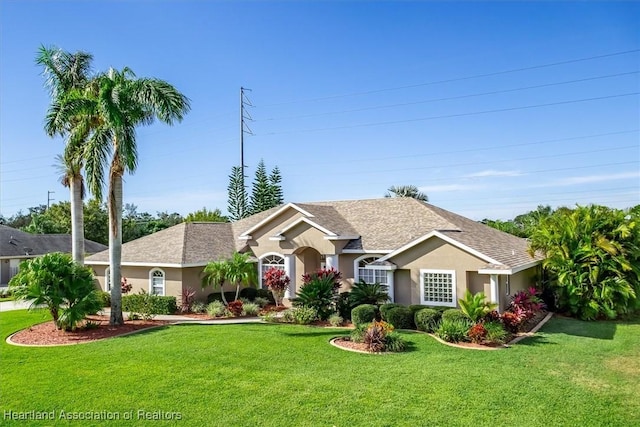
[275, 188]
[261, 192]
[237, 195]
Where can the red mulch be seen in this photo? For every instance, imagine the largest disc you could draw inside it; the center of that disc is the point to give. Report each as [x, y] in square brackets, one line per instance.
[47, 334]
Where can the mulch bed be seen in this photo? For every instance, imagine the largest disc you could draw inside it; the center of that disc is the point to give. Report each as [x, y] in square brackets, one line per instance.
[47, 334]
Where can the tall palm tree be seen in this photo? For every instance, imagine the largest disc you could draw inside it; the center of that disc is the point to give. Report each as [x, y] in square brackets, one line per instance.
[66, 73]
[115, 103]
[214, 275]
[406, 191]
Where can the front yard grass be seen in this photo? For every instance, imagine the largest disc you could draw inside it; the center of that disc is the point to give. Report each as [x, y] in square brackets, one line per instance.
[573, 373]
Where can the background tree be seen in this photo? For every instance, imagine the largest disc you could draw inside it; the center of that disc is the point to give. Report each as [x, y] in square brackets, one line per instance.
[261, 193]
[406, 191]
[206, 215]
[593, 259]
[237, 195]
[275, 188]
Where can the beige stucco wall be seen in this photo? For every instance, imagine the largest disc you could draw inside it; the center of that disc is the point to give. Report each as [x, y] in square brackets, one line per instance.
[478, 283]
[433, 253]
[517, 282]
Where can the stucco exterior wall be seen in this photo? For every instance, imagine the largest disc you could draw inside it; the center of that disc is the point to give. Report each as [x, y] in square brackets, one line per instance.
[433, 253]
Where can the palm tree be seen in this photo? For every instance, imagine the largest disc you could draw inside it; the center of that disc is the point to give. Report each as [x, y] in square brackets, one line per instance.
[215, 274]
[241, 271]
[65, 73]
[406, 191]
[113, 105]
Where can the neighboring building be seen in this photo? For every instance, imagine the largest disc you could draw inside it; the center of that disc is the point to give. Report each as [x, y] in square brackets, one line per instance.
[17, 246]
[424, 254]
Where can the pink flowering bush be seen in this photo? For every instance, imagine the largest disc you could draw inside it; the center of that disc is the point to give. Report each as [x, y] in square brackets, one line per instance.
[277, 282]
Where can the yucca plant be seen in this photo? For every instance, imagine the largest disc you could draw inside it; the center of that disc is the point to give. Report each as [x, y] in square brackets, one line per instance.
[475, 306]
[319, 293]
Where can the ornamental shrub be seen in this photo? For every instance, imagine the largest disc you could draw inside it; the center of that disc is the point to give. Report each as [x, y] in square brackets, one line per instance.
[336, 320]
[265, 293]
[147, 306]
[216, 308]
[362, 314]
[394, 342]
[495, 333]
[261, 301]
[453, 330]
[198, 307]
[401, 318]
[250, 309]
[477, 333]
[304, 315]
[235, 308]
[375, 338]
[417, 307]
[427, 319]
[343, 305]
[454, 314]
[368, 293]
[475, 306]
[217, 296]
[319, 293]
[357, 335]
[105, 298]
[277, 281]
[384, 309]
[187, 298]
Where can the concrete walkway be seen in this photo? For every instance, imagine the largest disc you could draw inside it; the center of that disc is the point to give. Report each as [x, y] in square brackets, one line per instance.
[13, 305]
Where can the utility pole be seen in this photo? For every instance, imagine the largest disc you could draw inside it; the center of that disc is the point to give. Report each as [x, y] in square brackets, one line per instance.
[244, 128]
[49, 198]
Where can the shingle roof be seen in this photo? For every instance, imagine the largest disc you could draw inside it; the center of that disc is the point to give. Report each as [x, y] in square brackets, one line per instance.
[17, 243]
[385, 224]
[185, 243]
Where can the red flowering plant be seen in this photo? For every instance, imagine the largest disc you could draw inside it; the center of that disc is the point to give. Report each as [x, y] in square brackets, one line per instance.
[324, 273]
[477, 333]
[235, 307]
[277, 282]
[125, 286]
[523, 306]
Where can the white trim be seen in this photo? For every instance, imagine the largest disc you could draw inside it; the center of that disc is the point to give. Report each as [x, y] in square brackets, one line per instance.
[273, 215]
[391, 285]
[381, 267]
[356, 267]
[494, 285]
[341, 237]
[150, 264]
[290, 270]
[447, 239]
[245, 237]
[363, 251]
[454, 291]
[509, 271]
[277, 238]
[164, 281]
[21, 256]
[308, 221]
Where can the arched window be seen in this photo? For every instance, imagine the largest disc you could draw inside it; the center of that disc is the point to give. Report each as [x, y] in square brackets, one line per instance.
[369, 275]
[268, 261]
[107, 279]
[156, 282]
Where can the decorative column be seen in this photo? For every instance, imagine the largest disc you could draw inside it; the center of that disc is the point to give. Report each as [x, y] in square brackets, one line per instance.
[332, 262]
[495, 294]
[390, 285]
[290, 270]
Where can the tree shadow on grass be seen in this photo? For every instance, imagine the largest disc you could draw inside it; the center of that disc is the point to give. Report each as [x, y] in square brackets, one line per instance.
[602, 330]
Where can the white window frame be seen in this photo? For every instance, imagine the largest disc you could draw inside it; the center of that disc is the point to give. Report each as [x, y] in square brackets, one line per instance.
[454, 296]
[107, 279]
[376, 271]
[164, 281]
[261, 265]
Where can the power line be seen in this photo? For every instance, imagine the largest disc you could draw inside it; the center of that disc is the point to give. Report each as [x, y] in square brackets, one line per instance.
[458, 79]
[495, 92]
[447, 116]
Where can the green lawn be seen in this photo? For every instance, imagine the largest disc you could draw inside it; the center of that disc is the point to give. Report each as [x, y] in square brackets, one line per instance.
[573, 373]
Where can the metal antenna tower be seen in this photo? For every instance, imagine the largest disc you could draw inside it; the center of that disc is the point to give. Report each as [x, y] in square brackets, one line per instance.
[244, 128]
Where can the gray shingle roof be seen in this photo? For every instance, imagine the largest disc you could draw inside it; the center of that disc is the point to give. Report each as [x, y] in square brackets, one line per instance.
[185, 243]
[17, 243]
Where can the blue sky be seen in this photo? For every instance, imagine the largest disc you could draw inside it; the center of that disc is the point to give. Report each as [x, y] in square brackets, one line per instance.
[490, 108]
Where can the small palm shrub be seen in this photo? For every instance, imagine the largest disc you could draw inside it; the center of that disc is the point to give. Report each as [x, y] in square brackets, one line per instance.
[235, 308]
[475, 306]
[384, 309]
[454, 314]
[320, 294]
[250, 309]
[262, 302]
[495, 333]
[216, 308]
[364, 313]
[401, 318]
[368, 293]
[336, 320]
[427, 319]
[343, 305]
[453, 330]
[198, 307]
[304, 315]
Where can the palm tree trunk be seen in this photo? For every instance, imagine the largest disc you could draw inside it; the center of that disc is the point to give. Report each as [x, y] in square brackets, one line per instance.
[115, 246]
[77, 220]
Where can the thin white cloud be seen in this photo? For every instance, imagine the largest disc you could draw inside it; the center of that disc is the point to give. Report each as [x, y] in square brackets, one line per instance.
[596, 178]
[492, 173]
[447, 187]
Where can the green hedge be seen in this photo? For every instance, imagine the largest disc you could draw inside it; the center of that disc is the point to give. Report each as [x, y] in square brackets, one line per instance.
[265, 293]
[400, 318]
[384, 310]
[454, 314]
[152, 304]
[217, 296]
[105, 298]
[417, 307]
[249, 293]
[427, 319]
[364, 313]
